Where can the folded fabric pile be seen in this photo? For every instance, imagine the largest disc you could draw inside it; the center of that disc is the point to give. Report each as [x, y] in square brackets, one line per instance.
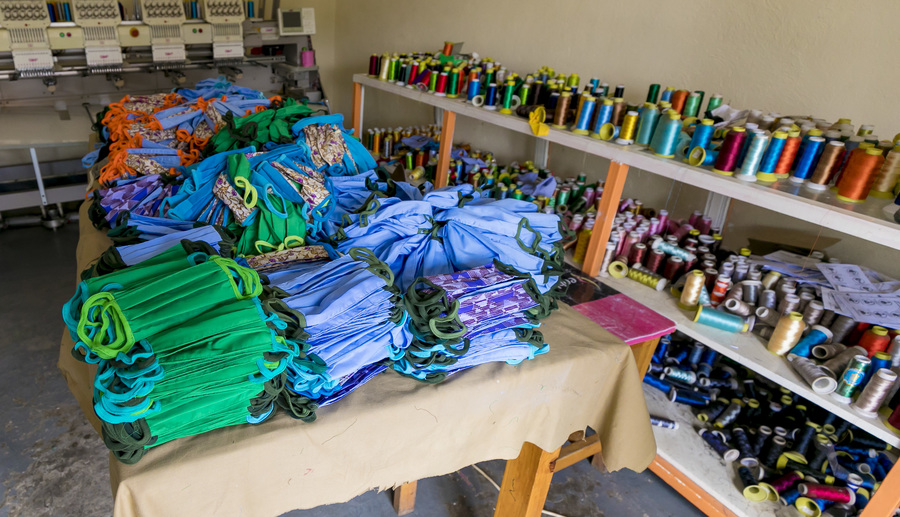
[183, 345]
[352, 313]
[460, 320]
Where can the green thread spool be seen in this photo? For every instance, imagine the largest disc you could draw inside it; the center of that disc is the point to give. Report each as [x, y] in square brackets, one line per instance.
[714, 102]
[507, 97]
[651, 280]
[701, 93]
[517, 194]
[647, 121]
[574, 80]
[720, 320]
[653, 93]
[691, 105]
[432, 82]
[454, 84]
[851, 379]
[524, 90]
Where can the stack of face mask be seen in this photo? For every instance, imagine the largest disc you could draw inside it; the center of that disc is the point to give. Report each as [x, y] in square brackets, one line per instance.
[460, 320]
[352, 312]
[183, 345]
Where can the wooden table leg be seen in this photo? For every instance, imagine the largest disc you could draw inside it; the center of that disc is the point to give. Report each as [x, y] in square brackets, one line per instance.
[405, 498]
[526, 481]
[886, 498]
[643, 354]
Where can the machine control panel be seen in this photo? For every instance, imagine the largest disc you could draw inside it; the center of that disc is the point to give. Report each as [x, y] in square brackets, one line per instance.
[162, 12]
[223, 11]
[24, 14]
[88, 13]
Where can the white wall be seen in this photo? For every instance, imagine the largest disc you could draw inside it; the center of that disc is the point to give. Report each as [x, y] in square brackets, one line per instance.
[826, 58]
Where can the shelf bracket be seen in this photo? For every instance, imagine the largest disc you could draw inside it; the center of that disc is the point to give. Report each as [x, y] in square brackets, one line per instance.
[717, 207]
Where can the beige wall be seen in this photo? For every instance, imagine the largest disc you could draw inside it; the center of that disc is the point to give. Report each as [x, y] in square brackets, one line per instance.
[825, 58]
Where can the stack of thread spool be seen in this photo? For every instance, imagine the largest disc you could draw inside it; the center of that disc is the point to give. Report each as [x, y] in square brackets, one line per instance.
[763, 148]
[781, 448]
[386, 144]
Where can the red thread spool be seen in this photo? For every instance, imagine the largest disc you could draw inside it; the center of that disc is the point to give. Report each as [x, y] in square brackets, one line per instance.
[711, 275]
[695, 216]
[655, 260]
[690, 263]
[791, 146]
[632, 239]
[786, 481]
[373, 65]
[441, 83]
[678, 99]
[682, 231]
[705, 225]
[875, 340]
[859, 175]
[893, 421]
[827, 493]
[638, 252]
[728, 153]
[413, 71]
[673, 268]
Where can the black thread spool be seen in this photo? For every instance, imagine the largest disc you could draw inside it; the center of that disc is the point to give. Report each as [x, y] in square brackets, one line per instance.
[655, 368]
[750, 388]
[841, 328]
[714, 441]
[730, 414]
[743, 442]
[870, 443]
[820, 454]
[773, 452]
[762, 435]
[746, 477]
[712, 412]
[842, 429]
[805, 438]
[753, 411]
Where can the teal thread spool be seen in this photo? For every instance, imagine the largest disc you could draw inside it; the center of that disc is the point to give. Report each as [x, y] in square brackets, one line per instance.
[700, 156]
[647, 121]
[714, 102]
[665, 138]
[604, 115]
[653, 93]
[703, 133]
[851, 379]
[771, 156]
[691, 105]
[584, 116]
[748, 169]
[818, 335]
[681, 148]
[720, 320]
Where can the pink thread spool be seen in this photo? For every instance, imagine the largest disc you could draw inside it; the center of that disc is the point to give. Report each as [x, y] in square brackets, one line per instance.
[307, 58]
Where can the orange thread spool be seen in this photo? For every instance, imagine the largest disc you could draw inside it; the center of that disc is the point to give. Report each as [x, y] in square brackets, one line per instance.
[875, 340]
[791, 146]
[859, 175]
[678, 99]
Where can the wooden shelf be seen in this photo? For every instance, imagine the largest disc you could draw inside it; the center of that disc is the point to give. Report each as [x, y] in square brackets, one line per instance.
[748, 350]
[863, 220]
[685, 450]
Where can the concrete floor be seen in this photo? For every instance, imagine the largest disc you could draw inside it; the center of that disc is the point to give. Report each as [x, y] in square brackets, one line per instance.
[52, 463]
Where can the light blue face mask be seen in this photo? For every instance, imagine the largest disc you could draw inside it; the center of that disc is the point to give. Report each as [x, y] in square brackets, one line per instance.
[136, 253]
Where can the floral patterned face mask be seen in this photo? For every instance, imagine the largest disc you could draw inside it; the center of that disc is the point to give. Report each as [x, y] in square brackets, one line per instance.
[326, 144]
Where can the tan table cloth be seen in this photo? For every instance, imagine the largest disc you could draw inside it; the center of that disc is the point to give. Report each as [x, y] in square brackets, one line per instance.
[390, 431]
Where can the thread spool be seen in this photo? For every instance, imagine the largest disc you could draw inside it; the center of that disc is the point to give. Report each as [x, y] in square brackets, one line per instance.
[562, 108]
[604, 116]
[618, 111]
[720, 290]
[875, 340]
[851, 379]
[817, 377]
[791, 147]
[763, 433]
[655, 260]
[887, 177]
[712, 411]
[827, 493]
[828, 165]
[875, 393]
[628, 129]
[859, 175]
[665, 138]
[836, 364]
[648, 118]
[739, 436]
[670, 249]
[751, 291]
[773, 452]
[771, 279]
[720, 320]
[691, 105]
[718, 445]
[806, 162]
[813, 312]
[673, 268]
[767, 316]
[702, 136]
[787, 333]
[663, 422]
[688, 397]
[805, 438]
[824, 352]
[685, 376]
[584, 115]
[768, 298]
[817, 335]
[789, 303]
[693, 286]
[729, 151]
[738, 307]
[765, 172]
[651, 280]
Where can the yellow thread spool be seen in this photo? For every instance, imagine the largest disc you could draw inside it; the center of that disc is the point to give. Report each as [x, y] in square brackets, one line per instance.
[886, 178]
[618, 269]
[647, 278]
[787, 333]
[629, 127]
[693, 286]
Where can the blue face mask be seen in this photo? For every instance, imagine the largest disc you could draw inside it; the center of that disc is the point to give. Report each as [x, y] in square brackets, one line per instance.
[137, 253]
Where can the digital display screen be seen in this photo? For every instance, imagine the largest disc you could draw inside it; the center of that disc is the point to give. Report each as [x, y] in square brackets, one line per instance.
[291, 19]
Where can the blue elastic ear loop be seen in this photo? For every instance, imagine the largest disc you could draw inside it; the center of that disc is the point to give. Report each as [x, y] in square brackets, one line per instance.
[262, 418]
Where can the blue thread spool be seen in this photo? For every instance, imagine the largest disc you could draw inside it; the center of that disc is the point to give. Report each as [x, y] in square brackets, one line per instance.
[473, 89]
[703, 133]
[720, 320]
[490, 97]
[685, 376]
[608, 131]
[818, 335]
[771, 156]
[667, 94]
[748, 169]
[251, 10]
[789, 497]
[593, 84]
[584, 116]
[665, 138]
[695, 355]
[687, 397]
[806, 163]
[659, 384]
[648, 118]
[719, 446]
[604, 114]
[879, 361]
[662, 348]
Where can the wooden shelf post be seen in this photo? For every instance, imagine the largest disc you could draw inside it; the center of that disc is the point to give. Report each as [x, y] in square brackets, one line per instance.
[526, 481]
[358, 93]
[886, 498]
[606, 214]
[442, 174]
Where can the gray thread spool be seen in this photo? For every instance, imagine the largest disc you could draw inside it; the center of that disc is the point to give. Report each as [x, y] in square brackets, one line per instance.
[827, 318]
[816, 376]
[767, 316]
[709, 264]
[827, 351]
[765, 332]
[751, 291]
[789, 303]
[740, 272]
[607, 258]
[767, 298]
[707, 255]
[875, 393]
[727, 269]
[841, 328]
[836, 364]
[735, 293]
[805, 298]
[785, 288]
[813, 312]
[755, 275]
